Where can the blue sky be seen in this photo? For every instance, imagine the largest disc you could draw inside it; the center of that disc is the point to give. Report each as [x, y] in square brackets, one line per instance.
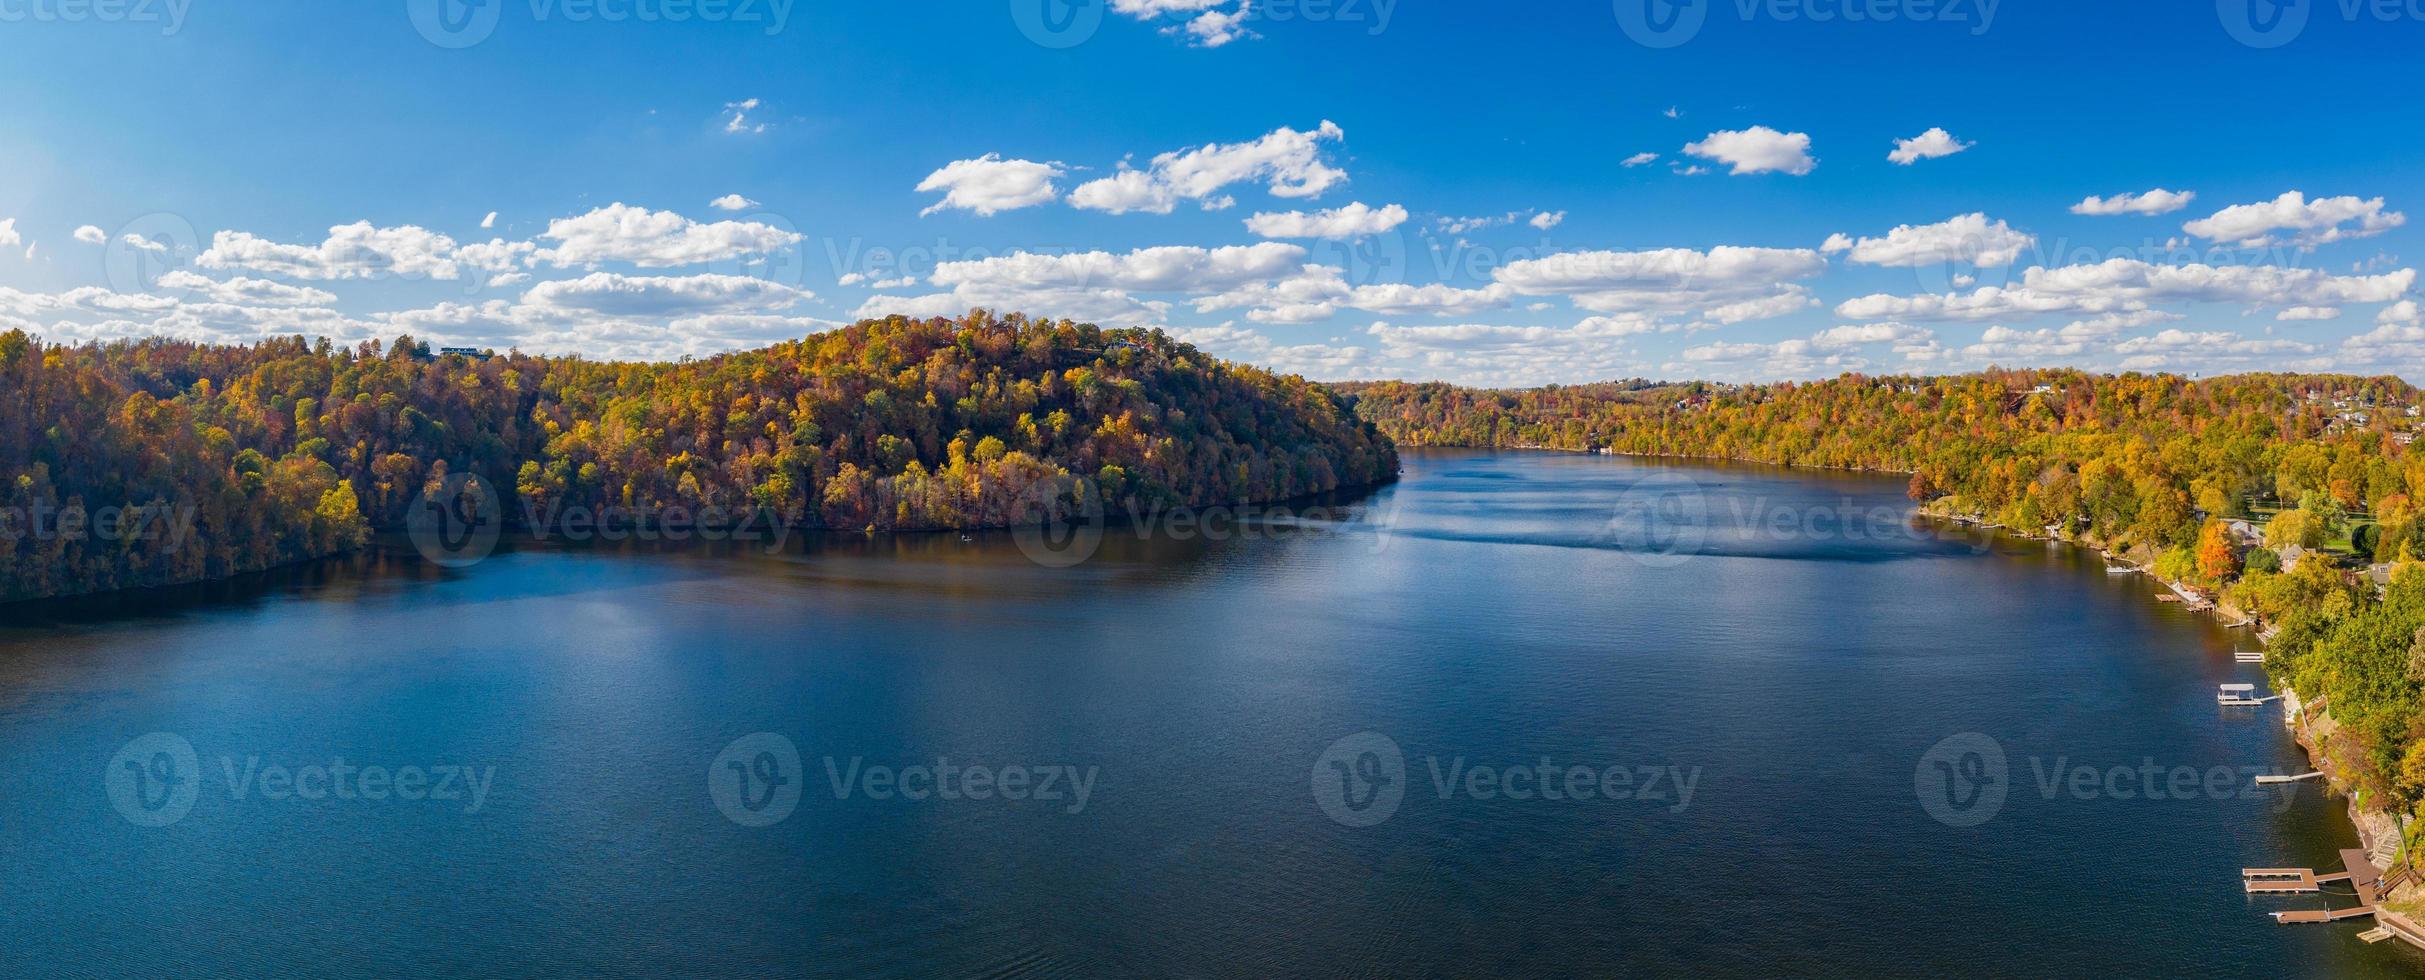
[227, 171]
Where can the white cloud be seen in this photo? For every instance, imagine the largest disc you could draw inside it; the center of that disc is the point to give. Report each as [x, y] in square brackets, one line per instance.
[1757, 150]
[730, 202]
[1206, 23]
[8, 233]
[490, 221]
[1289, 163]
[2127, 285]
[1729, 280]
[1968, 238]
[989, 185]
[2157, 201]
[2315, 222]
[2309, 313]
[1173, 268]
[655, 239]
[1547, 220]
[1640, 159]
[242, 291]
[1352, 221]
[736, 117]
[92, 235]
[656, 296]
[357, 251]
[1934, 143]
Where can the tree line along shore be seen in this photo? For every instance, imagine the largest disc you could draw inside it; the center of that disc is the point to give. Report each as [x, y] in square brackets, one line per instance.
[2289, 498]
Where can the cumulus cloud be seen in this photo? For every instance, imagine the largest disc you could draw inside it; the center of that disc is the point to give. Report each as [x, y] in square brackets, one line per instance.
[656, 296]
[1968, 238]
[1547, 220]
[1934, 143]
[2157, 201]
[1205, 23]
[356, 251]
[91, 235]
[655, 239]
[1757, 150]
[729, 202]
[989, 185]
[2300, 221]
[241, 291]
[1288, 162]
[1639, 159]
[1352, 221]
[1749, 282]
[2127, 285]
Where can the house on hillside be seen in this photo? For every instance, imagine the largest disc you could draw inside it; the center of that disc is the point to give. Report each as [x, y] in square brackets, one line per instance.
[2245, 532]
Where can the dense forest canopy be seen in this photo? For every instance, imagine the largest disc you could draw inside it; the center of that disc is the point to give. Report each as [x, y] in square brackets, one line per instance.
[2289, 497]
[155, 462]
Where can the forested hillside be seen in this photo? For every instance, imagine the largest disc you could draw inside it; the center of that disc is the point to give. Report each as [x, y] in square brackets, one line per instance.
[157, 462]
[2281, 495]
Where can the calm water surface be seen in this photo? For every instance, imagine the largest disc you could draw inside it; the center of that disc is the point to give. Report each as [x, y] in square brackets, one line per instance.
[1490, 612]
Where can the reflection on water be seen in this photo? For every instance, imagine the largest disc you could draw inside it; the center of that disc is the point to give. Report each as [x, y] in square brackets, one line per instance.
[1787, 647]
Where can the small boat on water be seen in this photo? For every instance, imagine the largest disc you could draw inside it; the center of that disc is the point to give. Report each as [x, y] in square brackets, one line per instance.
[2113, 569]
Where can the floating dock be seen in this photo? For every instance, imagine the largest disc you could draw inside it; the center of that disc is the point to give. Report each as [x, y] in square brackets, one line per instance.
[2241, 694]
[2276, 780]
[2356, 869]
[2249, 656]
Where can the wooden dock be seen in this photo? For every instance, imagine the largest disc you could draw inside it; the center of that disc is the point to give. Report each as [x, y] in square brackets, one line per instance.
[2249, 656]
[2357, 869]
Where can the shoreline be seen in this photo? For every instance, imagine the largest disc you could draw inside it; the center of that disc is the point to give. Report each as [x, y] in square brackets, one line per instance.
[2364, 823]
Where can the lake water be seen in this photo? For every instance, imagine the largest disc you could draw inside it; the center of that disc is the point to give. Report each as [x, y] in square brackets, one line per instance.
[1262, 725]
